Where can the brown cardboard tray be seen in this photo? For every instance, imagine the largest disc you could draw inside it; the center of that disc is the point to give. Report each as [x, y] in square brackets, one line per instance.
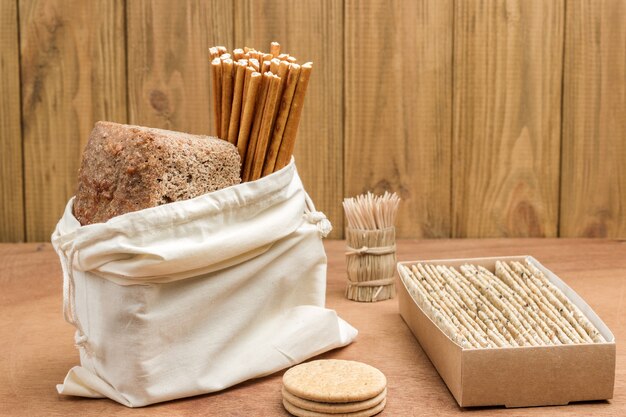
[515, 376]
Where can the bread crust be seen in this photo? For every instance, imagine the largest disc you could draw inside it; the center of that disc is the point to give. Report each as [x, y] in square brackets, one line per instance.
[127, 168]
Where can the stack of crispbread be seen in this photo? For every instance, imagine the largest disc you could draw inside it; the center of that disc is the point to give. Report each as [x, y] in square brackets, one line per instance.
[516, 306]
[334, 388]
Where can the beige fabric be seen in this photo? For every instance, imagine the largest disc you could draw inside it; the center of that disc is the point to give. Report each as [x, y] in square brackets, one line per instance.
[196, 296]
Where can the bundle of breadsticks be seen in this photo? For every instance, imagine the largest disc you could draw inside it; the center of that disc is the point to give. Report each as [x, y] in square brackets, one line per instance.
[516, 306]
[257, 100]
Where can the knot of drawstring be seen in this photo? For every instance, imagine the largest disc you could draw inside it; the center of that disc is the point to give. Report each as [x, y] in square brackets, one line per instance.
[317, 217]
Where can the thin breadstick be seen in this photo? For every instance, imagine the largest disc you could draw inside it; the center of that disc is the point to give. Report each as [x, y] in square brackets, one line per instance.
[267, 57]
[227, 96]
[224, 57]
[275, 49]
[283, 57]
[505, 326]
[291, 129]
[213, 53]
[281, 118]
[235, 114]
[238, 54]
[584, 322]
[507, 275]
[256, 126]
[255, 64]
[423, 300]
[216, 70]
[246, 83]
[248, 114]
[269, 113]
[493, 297]
[524, 278]
[274, 63]
[455, 309]
[221, 49]
[291, 60]
[265, 66]
[454, 324]
[528, 324]
[468, 307]
[523, 308]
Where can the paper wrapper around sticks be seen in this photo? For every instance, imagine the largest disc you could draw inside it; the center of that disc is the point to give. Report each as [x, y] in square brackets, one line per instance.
[371, 263]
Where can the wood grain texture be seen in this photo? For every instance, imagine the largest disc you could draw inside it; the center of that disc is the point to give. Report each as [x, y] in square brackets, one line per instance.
[37, 345]
[168, 61]
[398, 108]
[310, 31]
[593, 177]
[73, 74]
[507, 117]
[11, 174]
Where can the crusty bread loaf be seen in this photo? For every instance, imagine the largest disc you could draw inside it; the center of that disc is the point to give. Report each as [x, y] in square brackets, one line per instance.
[127, 168]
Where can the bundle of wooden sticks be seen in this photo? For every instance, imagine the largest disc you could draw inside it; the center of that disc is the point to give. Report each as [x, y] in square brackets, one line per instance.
[257, 100]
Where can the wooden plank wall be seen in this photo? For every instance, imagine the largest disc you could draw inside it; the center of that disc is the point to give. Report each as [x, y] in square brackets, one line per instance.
[489, 118]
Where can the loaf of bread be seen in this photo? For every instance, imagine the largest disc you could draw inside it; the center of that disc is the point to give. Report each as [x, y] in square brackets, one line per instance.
[128, 168]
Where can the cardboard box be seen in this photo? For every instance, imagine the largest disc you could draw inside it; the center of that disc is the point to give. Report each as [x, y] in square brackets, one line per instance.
[515, 376]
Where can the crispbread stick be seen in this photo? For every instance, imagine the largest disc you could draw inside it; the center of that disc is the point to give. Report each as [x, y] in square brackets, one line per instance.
[248, 114]
[501, 304]
[591, 330]
[468, 307]
[227, 96]
[281, 119]
[255, 64]
[256, 126]
[238, 54]
[269, 113]
[524, 277]
[573, 310]
[447, 296]
[274, 63]
[235, 113]
[265, 66]
[216, 70]
[503, 325]
[246, 83]
[528, 325]
[438, 318]
[275, 49]
[546, 335]
[506, 274]
[213, 53]
[221, 50]
[291, 128]
[456, 330]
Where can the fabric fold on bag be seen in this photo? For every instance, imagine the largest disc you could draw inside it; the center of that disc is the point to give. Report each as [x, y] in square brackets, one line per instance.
[198, 295]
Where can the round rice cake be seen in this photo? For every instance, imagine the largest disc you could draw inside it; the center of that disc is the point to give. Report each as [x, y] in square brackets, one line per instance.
[299, 412]
[333, 408]
[334, 381]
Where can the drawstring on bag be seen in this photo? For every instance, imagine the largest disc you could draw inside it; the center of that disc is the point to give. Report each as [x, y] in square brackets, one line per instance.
[69, 295]
[316, 217]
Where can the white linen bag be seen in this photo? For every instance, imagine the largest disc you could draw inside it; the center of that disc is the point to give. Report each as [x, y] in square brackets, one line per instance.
[195, 296]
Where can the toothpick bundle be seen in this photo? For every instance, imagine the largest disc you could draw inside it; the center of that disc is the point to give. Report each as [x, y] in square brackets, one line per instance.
[371, 254]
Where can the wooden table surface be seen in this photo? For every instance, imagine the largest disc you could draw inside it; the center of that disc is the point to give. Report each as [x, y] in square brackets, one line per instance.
[36, 345]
